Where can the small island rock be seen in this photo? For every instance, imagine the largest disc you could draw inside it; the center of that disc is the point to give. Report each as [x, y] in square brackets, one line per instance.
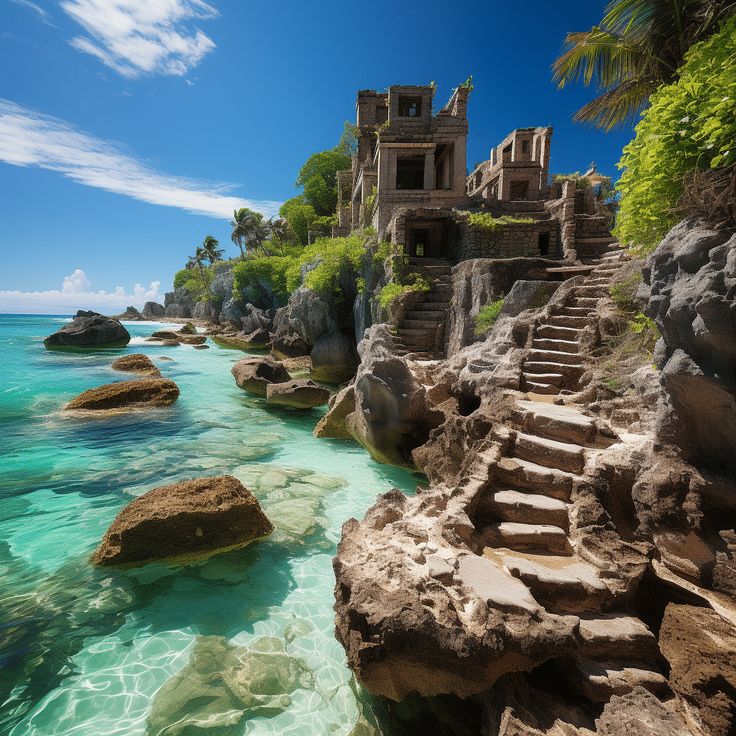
[89, 330]
[153, 310]
[136, 363]
[186, 337]
[255, 374]
[301, 394]
[137, 394]
[186, 520]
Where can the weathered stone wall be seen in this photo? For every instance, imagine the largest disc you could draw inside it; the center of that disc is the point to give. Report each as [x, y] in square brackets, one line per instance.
[509, 241]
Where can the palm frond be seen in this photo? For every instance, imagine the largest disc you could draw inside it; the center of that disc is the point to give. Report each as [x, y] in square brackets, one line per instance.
[617, 106]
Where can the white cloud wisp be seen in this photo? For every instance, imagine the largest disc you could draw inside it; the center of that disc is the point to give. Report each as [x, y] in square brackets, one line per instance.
[76, 293]
[136, 37]
[32, 139]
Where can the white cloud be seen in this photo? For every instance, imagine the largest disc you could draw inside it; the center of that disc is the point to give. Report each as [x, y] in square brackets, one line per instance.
[136, 37]
[37, 9]
[76, 293]
[29, 138]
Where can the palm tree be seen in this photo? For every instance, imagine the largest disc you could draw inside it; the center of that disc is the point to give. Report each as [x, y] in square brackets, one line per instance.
[244, 223]
[638, 45]
[197, 261]
[280, 232]
[211, 249]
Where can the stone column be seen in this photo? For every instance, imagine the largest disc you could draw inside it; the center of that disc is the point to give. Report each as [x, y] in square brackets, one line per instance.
[568, 221]
[429, 172]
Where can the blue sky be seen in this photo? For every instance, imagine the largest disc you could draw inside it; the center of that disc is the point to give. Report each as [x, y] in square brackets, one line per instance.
[184, 108]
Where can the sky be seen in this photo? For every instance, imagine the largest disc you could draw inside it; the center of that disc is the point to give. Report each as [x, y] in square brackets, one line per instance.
[130, 129]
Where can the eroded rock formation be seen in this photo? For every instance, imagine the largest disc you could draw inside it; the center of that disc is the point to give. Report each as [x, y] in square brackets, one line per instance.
[256, 374]
[89, 330]
[183, 521]
[125, 396]
[136, 363]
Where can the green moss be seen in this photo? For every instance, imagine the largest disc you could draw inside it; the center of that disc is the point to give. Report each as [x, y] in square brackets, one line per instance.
[389, 293]
[487, 316]
[486, 221]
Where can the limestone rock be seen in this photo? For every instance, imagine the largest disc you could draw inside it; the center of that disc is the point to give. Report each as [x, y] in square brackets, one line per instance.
[334, 358]
[205, 310]
[527, 295]
[256, 319]
[223, 685]
[301, 394]
[136, 363]
[153, 310]
[186, 520]
[130, 314]
[89, 330]
[642, 713]
[255, 374]
[699, 646]
[691, 293]
[126, 395]
[179, 337]
[258, 340]
[178, 303]
[332, 424]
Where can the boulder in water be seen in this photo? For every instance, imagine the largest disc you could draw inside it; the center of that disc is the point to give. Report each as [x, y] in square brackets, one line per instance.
[186, 337]
[300, 394]
[255, 374]
[153, 310]
[257, 340]
[89, 330]
[130, 314]
[186, 520]
[126, 395]
[136, 363]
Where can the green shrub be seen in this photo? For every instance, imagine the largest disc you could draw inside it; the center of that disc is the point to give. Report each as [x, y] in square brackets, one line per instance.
[190, 279]
[331, 255]
[486, 221]
[389, 293]
[257, 271]
[487, 316]
[690, 124]
[581, 181]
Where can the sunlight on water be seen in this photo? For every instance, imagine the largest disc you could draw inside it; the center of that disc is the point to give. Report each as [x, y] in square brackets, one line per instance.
[84, 651]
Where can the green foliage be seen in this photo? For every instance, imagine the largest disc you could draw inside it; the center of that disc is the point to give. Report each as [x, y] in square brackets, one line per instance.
[331, 256]
[257, 272]
[691, 124]
[391, 291]
[623, 294]
[348, 144]
[486, 221]
[487, 316]
[191, 279]
[318, 176]
[581, 182]
[468, 83]
[299, 215]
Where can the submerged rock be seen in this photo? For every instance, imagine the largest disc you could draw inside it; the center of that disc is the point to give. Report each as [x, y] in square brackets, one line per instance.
[188, 338]
[256, 374]
[258, 340]
[89, 330]
[186, 520]
[136, 363]
[137, 394]
[224, 684]
[302, 394]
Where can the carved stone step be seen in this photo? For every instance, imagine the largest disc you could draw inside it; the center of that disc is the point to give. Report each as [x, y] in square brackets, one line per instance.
[552, 356]
[418, 324]
[551, 379]
[556, 422]
[552, 453]
[424, 314]
[558, 332]
[531, 508]
[562, 346]
[585, 301]
[600, 681]
[617, 636]
[534, 477]
[517, 535]
[536, 387]
[433, 305]
[576, 310]
[566, 320]
[560, 583]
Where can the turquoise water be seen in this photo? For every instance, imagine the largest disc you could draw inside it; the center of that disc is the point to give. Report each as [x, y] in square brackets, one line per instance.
[84, 651]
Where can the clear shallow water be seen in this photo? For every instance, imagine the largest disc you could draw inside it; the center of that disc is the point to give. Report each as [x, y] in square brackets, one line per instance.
[84, 651]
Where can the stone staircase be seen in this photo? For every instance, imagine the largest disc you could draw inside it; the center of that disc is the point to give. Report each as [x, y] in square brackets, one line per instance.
[421, 331]
[554, 363]
[524, 522]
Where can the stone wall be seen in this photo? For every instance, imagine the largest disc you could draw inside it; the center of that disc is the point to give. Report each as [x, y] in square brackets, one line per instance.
[509, 241]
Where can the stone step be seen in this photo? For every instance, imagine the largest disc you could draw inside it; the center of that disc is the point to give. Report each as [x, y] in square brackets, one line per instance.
[530, 508]
[551, 482]
[557, 332]
[556, 422]
[617, 636]
[600, 681]
[549, 379]
[588, 302]
[573, 310]
[418, 324]
[552, 356]
[540, 368]
[562, 584]
[563, 346]
[566, 320]
[596, 240]
[535, 387]
[517, 535]
[417, 331]
[432, 305]
[424, 314]
[551, 453]
[585, 290]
